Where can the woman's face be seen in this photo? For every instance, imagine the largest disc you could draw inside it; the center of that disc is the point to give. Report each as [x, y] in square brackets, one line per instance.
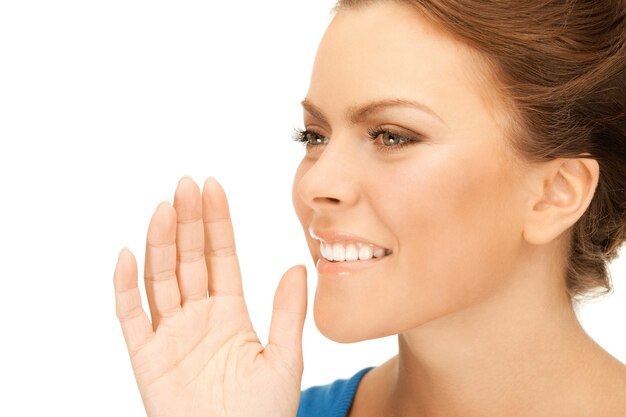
[448, 206]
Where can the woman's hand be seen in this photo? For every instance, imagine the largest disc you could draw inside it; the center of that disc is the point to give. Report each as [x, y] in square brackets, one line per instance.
[200, 355]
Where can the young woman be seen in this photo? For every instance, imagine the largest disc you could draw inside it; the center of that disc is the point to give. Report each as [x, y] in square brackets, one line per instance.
[462, 187]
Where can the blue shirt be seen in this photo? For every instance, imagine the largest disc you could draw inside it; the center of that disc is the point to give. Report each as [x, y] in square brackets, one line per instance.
[330, 400]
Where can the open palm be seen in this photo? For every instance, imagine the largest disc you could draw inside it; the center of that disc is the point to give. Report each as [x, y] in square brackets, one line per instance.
[200, 356]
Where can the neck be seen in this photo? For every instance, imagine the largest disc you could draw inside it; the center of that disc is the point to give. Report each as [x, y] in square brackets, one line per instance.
[516, 351]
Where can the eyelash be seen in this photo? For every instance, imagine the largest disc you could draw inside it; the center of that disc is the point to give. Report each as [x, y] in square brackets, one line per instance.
[300, 135]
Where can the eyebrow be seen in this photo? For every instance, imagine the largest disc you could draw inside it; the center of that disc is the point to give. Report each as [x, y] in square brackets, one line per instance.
[357, 114]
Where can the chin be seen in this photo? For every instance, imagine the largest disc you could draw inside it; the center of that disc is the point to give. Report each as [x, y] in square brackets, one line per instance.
[337, 330]
[340, 324]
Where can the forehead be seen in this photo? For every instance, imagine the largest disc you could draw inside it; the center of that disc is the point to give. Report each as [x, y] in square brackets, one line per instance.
[388, 49]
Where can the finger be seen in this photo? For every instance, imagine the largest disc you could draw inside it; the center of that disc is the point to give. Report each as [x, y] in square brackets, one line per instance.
[290, 304]
[191, 267]
[220, 253]
[160, 270]
[135, 324]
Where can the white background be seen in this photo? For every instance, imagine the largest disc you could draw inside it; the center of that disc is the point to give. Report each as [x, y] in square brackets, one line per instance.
[103, 107]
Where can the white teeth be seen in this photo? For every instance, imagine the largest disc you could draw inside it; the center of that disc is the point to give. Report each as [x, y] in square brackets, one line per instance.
[327, 251]
[339, 252]
[351, 252]
[365, 252]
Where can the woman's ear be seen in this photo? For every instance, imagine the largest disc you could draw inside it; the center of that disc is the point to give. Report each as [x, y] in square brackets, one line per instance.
[565, 188]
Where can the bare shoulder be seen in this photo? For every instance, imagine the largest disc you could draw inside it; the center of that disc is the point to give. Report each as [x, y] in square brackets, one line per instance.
[372, 391]
[618, 392]
[609, 387]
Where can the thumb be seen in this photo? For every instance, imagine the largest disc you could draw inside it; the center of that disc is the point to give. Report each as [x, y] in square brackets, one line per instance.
[290, 305]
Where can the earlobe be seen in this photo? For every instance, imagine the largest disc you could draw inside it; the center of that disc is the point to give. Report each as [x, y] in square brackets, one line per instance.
[568, 187]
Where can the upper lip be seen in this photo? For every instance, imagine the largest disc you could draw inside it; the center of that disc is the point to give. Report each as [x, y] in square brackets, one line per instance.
[329, 236]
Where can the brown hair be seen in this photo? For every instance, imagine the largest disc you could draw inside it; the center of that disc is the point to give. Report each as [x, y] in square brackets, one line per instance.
[561, 65]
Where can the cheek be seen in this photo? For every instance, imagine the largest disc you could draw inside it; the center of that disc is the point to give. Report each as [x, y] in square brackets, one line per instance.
[298, 205]
[455, 230]
[303, 211]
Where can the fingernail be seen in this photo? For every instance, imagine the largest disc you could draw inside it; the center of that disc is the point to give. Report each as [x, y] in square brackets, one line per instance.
[185, 176]
[211, 179]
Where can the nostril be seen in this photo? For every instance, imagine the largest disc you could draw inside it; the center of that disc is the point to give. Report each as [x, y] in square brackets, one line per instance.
[329, 199]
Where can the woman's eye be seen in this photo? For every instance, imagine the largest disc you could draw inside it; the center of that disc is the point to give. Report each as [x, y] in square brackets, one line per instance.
[308, 137]
[390, 141]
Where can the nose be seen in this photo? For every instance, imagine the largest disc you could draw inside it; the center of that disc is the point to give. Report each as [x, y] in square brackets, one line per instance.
[332, 179]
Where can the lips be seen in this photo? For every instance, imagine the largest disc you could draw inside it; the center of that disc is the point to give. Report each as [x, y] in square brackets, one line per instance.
[331, 237]
[330, 269]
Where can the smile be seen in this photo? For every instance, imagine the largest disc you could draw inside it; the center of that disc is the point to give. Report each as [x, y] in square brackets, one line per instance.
[351, 251]
[324, 266]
